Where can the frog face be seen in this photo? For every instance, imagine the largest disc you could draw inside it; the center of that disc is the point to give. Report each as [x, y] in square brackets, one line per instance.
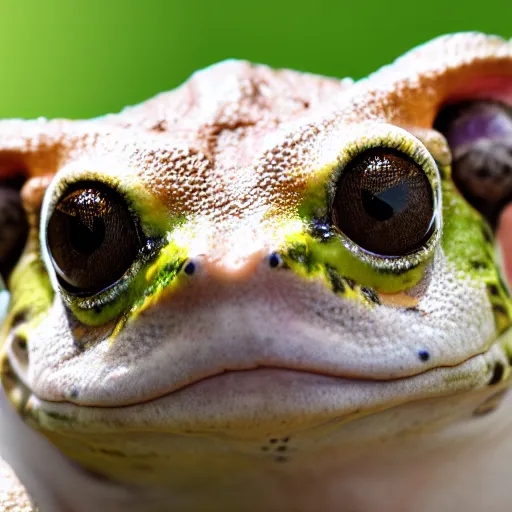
[262, 256]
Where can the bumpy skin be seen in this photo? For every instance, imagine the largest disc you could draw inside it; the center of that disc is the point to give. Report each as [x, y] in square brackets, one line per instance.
[288, 372]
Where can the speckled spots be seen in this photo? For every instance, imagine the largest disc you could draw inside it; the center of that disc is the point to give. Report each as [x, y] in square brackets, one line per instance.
[479, 265]
[370, 295]
[298, 253]
[337, 284]
[278, 447]
[500, 300]
[321, 231]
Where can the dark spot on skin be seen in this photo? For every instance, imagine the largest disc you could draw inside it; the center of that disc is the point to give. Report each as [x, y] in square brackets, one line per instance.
[321, 231]
[299, 254]
[502, 284]
[94, 474]
[281, 458]
[282, 448]
[498, 308]
[190, 268]
[479, 265]
[57, 416]
[274, 260]
[264, 448]
[73, 393]
[20, 341]
[285, 439]
[350, 283]
[335, 279]
[497, 374]
[493, 290]
[112, 453]
[80, 345]
[273, 441]
[487, 234]
[161, 126]
[19, 318]
[423, 355]
[370, 294]
[491, 404]
[150, 248]
[19, 345]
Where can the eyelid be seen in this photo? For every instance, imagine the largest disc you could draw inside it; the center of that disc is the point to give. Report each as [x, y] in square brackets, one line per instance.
[387, 137]
[364, 137]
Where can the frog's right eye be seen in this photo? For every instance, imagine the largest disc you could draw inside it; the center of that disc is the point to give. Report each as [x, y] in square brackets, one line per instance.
[92, 238]
[384, 203]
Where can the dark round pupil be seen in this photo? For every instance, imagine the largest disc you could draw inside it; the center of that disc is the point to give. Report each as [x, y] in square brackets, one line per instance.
[384, 203]
[86, 239]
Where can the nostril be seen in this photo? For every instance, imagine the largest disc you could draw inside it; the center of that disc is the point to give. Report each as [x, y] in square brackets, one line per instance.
[274, 260]
[190, 268]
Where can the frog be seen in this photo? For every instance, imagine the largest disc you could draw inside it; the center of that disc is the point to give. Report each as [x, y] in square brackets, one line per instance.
[265, 290]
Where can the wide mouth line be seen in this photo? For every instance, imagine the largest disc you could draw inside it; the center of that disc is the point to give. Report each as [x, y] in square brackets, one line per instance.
[308, 371]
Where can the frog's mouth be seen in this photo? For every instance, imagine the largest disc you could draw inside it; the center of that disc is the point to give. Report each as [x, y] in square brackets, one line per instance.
[252, 401]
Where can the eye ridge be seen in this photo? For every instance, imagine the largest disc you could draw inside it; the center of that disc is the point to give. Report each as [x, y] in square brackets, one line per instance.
[92, 238]
[384, 203]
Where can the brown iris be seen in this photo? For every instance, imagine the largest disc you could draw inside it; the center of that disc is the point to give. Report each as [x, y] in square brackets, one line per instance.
[384, 203]
[92, 238]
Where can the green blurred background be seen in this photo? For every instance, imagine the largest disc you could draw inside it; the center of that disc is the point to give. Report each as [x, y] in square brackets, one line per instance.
[75, 58]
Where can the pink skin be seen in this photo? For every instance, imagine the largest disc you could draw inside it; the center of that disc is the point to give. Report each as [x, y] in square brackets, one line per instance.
[505, 239]
[495, 87]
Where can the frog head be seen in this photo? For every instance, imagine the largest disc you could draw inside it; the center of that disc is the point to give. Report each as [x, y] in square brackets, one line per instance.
[264, 265]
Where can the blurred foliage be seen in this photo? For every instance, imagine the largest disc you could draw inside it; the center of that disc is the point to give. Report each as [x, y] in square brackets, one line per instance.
[76, 58]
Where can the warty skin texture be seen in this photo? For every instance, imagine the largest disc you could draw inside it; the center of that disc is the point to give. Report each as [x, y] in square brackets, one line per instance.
[287, 371]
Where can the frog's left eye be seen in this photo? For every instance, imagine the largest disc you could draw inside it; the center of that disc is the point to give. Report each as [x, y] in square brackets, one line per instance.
[384, 203]
[92, 238]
